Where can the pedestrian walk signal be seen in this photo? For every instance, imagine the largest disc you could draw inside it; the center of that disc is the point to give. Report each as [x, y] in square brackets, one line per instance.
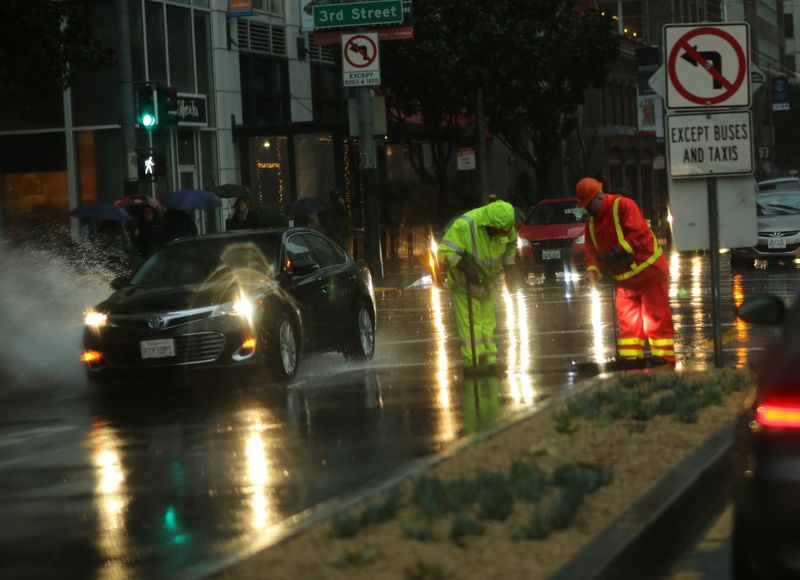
[150, 164]
[147, 107]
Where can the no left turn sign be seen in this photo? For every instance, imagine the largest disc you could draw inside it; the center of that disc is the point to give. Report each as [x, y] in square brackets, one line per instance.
[707, 65]
[360, 64]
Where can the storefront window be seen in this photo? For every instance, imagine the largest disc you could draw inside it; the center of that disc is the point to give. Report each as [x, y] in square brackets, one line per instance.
[33, 186]
[99, 161]
[271, 177]
[315, 167]
[181, 60]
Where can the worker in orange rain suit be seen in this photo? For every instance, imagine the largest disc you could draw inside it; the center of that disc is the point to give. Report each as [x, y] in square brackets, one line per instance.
[619, 241]
[475, 248]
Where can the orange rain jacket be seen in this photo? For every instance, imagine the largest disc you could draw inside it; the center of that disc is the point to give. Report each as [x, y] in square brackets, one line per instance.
[621, 223]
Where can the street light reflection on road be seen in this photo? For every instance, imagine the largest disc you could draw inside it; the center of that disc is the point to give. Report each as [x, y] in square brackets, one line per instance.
[448, 427]
[111, 498]
[257, 465]
[519, 361]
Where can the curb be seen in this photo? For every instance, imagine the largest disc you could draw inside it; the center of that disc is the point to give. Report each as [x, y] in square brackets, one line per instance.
[644, 541]
[243, 564]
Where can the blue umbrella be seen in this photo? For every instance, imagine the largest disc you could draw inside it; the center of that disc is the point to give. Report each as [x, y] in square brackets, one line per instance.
[101, 211]
[189, 199]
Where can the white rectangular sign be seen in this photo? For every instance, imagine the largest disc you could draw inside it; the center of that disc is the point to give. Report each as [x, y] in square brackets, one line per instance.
[702, 144]
[360, 59]
[465, 158]
[707, 65]
[736, 203]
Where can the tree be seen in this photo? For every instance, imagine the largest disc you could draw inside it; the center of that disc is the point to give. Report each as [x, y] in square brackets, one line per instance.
[534, 61]
[42, 43]
[553, 55]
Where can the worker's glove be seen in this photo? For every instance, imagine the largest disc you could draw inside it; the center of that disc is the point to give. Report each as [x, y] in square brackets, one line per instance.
[618, 258]
[469, 271]
[513, 276]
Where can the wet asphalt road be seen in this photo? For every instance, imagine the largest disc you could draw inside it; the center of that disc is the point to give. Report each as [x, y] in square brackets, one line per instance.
[169, 478]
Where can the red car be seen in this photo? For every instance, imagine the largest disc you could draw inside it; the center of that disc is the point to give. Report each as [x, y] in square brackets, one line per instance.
[551, 238]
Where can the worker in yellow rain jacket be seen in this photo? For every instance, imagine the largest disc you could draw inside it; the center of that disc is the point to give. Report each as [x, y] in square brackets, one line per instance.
[474, 250]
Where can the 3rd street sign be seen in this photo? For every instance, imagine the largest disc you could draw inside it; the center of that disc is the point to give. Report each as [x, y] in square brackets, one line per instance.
[354, 14]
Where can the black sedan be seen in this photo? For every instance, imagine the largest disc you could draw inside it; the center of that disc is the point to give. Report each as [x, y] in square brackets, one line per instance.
[766, 453]
[235, 299]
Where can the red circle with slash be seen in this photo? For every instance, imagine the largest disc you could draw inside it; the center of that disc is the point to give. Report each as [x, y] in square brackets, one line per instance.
[730, 87]
[368, 59]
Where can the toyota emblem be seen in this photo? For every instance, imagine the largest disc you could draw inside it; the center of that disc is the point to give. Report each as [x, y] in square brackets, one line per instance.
[156, 322]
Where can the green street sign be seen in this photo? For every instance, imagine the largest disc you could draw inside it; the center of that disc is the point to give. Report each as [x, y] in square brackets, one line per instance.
[358, 14]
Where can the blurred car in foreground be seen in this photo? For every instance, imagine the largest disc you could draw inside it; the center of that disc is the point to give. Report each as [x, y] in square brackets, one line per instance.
[234, 299]
[778, 184]
[766, 452]
[778, 216]
[551, 238]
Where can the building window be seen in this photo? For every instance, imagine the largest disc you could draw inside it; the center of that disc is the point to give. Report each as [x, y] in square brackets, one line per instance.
[99, 161]
[156, 42]
[181, 51]
[265, 89]
[788, 25]
[270, 6]
[768, 10]
[326, 92]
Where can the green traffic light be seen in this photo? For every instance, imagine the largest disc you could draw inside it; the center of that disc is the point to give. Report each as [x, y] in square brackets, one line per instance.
[148, 120]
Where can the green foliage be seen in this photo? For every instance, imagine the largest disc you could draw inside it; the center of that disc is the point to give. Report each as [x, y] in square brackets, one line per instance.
[344, 557]
[528, 481]
[495, 500]
[686, 411]
[667, 404]
[465, 525]
[418, 530]
[344, 525]
[54, 39]
[429, 496]
[460, 493]
[383, 510]
[424, 571]
[566, 506]
[563, 422]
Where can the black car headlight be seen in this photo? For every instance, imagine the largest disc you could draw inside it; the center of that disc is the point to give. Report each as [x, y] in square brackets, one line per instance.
[95, 318]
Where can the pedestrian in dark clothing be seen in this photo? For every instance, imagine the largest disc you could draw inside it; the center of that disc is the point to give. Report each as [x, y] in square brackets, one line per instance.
[335, 218]
[177, 224]
[243, 218]
[146, 236]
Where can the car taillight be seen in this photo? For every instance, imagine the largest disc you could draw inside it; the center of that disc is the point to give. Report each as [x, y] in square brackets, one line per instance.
[779, 414]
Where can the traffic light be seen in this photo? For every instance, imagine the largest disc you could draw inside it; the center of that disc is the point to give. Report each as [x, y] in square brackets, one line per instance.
[167, 106]
[147, 106]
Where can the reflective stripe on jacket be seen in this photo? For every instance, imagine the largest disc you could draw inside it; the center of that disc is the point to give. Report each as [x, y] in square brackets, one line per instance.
[620, 223]
[467, 238]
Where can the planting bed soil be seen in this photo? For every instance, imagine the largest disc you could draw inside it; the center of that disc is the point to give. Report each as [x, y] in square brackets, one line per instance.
[523, 502]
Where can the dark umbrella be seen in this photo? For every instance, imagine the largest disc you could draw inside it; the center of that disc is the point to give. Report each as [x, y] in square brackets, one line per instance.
[189, 199]
[232, 190]
[130, 201]
[101, 211]
[305, 206]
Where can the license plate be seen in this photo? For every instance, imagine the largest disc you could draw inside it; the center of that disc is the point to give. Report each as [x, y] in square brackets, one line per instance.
[159, 348]
[776, 243]
[551, 254]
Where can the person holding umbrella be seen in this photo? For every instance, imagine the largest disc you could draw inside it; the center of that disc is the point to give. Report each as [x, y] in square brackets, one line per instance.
[476, 247]
[146, 236]
[242, 218]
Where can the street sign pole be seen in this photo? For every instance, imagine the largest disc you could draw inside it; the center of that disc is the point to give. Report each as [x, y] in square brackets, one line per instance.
[369, 179]
[713, 239]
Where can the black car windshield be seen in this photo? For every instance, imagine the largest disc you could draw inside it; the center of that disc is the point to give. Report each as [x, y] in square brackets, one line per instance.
[548, 214]
[206, 261]
[778, 204]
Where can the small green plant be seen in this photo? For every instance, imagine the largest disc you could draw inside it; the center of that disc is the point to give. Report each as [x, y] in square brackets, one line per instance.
[566, 506]
[563, 422]
[712, 395]
[418, 530]
[644, 410]
[344, 525]
[429, 494]
[686, 410]
[383, 510]
[666, 404]
[355, 557]
[528, 481]
[495, 501]
[460, 493]
[465, 525]
[424, 571]
[537, 528]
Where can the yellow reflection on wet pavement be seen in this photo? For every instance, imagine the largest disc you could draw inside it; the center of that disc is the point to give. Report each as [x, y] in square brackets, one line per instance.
[448, 429]
[111, 499]
[742, 329]
[257, 468]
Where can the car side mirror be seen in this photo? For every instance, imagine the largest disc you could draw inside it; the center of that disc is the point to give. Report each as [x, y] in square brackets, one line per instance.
[119, 282]
[762, 310]
[303, 264]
